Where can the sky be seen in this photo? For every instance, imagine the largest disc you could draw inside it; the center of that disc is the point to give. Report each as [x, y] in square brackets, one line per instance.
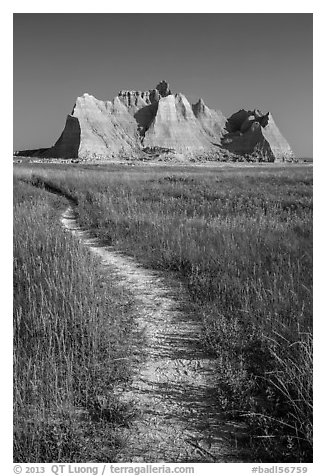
[232, 61]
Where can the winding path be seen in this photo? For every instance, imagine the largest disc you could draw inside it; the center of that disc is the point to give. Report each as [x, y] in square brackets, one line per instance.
[173, 388]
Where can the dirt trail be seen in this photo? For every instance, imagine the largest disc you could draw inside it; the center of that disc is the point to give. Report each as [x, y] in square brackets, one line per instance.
[173, 388]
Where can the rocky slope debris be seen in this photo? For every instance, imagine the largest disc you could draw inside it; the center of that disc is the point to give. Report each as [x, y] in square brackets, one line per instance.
[137, 121]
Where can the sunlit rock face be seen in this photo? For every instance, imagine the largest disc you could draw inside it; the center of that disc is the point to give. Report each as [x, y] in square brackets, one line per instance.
[137, 121]
[211, 121]
[176, 127]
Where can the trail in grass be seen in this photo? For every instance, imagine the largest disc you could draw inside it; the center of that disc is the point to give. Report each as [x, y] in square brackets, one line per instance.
[173, 386]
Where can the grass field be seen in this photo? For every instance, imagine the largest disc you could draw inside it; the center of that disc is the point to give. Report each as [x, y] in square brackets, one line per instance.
[70, 339]
[240, 238]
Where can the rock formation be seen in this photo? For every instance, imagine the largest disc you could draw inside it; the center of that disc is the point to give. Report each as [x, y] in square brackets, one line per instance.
[139, 121]
[212, 122]
[255, 133]
[175, 126]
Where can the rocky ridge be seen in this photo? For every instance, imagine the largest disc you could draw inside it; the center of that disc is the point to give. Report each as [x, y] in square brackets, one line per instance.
[157, 122]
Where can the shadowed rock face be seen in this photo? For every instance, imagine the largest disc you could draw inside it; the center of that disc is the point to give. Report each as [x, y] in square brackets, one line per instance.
[69, 141]
[157, 119]
[164, 89]
[252, 132]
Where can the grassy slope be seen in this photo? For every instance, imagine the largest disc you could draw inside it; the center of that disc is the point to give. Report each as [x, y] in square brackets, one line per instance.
[69, 333]
[241, 240]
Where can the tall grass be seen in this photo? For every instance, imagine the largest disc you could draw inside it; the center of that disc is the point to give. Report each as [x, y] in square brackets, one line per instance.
[71, 329]
[241, 240]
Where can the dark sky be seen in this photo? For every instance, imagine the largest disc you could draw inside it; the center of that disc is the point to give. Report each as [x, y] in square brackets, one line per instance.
[232, 61]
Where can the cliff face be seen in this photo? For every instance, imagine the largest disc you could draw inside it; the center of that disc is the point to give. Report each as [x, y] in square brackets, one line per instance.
[252, 132]
[104, 128]
[212, 122]
[142, 120]
[175, 126]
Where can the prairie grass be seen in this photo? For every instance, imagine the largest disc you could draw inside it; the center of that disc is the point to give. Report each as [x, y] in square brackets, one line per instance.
[241, 240]
[70, 334]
